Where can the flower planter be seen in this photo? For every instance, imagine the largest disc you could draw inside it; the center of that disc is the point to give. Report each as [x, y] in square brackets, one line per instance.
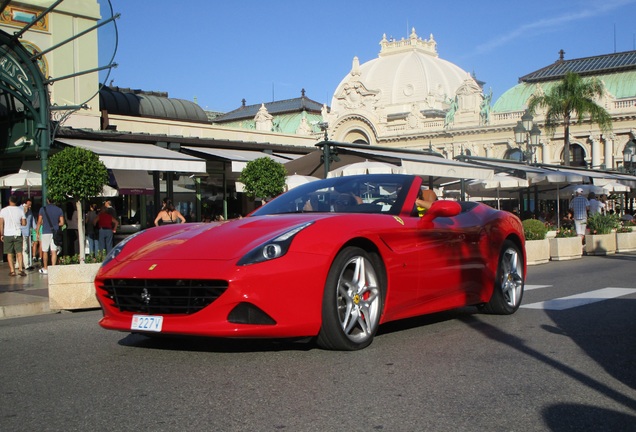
[625, 242]
[600, 244]
[72, 286]
[537, 251]
[565, 248]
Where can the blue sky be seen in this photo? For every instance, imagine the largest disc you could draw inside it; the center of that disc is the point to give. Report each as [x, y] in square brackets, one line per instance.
[219, 52]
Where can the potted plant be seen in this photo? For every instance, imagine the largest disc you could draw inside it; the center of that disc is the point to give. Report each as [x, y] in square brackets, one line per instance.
[601, 239]
[72, 284]
[263, 178]
[537, 245]
[75, 174]
[565, 245]
[625, 238]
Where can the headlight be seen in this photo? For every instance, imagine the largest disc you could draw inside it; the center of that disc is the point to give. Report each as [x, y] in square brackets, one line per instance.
[118, 248]
[272, 249]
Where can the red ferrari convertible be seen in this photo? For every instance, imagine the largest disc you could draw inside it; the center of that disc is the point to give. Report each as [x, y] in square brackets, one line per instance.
[332, 259]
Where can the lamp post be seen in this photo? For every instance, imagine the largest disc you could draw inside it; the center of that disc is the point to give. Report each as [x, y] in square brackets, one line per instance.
[528, 133]
[629, 157]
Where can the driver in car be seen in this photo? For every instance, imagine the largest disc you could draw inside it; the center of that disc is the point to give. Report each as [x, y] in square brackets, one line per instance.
[424, 201]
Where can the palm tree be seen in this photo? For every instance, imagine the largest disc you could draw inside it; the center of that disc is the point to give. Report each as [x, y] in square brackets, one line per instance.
[573, 96]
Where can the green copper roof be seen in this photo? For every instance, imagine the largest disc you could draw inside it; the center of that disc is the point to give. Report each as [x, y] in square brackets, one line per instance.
[596, 65]
[620, 85]
[283, 123]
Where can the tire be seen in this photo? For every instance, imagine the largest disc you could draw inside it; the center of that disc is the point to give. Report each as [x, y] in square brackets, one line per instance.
[352, 301]
[509, 283]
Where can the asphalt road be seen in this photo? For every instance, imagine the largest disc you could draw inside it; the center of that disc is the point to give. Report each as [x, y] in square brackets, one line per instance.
[567, 365]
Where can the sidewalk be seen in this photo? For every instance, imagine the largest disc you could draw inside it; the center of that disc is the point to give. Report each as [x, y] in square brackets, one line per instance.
[23, 295]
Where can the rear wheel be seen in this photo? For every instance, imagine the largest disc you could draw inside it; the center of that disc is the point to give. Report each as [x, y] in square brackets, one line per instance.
[508, 291]
[352, 301]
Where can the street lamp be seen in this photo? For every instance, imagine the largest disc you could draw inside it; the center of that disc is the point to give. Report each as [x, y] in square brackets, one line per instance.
[528, 133]
[629, 157]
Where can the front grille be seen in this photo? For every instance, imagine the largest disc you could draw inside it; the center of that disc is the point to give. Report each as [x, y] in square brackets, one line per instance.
[163, 296]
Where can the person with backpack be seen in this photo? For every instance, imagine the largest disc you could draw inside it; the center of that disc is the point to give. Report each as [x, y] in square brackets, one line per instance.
[51, 219]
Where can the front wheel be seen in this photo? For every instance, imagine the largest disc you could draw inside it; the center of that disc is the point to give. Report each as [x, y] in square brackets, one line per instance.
[352, 301]
[508, 291]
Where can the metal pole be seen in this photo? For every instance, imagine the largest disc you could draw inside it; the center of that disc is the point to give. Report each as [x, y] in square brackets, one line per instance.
[326, 157]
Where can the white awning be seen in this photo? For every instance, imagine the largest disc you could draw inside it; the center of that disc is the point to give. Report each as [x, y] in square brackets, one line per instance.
[239, 158]
[138, 156]
[432, 166]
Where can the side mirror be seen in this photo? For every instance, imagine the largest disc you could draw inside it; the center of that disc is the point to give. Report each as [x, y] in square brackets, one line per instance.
[439, 209]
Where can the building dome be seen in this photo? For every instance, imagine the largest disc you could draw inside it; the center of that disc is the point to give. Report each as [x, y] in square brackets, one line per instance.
[407, 72]
[139, 103]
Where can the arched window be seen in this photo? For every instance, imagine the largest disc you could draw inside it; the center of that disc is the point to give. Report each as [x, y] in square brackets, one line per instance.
[515, 155]
[577, 155]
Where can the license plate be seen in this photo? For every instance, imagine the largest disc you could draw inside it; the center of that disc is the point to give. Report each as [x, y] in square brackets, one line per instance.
[146, 323]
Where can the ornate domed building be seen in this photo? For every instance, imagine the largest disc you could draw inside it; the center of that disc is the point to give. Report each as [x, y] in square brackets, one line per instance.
[409, 97]
[406, 93]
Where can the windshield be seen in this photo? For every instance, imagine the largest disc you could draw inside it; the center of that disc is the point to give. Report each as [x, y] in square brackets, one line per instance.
[371, 193]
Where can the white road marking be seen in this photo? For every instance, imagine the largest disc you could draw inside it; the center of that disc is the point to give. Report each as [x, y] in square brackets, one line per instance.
[581, 299]
[533, 287]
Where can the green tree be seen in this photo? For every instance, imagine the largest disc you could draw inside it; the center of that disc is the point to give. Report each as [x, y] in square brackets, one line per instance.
[263, 178]
[78, 174]
[572, 97]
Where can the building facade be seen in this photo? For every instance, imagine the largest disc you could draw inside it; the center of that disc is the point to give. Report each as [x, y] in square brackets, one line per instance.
[409, 97]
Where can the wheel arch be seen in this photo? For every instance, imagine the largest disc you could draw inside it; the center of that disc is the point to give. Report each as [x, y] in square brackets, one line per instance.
[370, 247]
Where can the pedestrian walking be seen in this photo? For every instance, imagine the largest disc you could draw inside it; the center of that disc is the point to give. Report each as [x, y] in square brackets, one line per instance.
[107, 225]
[12, 220]
[580, 206]
[50, 219]
[27, 253]
[91, 231]
[596, 206]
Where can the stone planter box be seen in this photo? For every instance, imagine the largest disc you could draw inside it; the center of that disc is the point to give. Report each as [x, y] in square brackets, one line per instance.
[626, 242]
[565, 248]
[72, 286]
[537, 251]
[600, 244]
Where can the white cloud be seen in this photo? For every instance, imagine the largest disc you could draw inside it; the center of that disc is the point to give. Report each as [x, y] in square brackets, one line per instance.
[551, 24]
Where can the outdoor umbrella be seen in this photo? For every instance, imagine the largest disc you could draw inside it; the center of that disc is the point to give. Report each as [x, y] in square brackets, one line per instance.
[587, 188]
[21, 179]
[366, 167]
[296, 180]
[499, 182]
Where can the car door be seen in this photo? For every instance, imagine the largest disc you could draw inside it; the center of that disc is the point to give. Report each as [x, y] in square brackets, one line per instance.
[451, 261]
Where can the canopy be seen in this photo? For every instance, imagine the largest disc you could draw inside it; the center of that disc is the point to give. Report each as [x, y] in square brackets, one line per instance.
[434, 169]
[139, 156]
[238, 158]
[367, 167]
[131, 182]
[598, 190]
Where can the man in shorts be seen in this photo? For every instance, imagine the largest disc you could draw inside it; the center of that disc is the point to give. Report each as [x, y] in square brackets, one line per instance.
[580, 206]
[11, 220]
[50, 218]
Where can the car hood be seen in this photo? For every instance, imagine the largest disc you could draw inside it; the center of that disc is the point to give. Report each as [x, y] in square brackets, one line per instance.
[210, 241]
